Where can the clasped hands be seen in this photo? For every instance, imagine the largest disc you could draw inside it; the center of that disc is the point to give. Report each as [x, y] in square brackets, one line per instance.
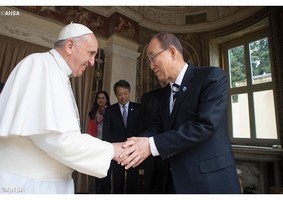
[132, 152]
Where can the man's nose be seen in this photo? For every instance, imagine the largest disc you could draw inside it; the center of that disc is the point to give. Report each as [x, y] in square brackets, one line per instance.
[152, 66]
[91, 62]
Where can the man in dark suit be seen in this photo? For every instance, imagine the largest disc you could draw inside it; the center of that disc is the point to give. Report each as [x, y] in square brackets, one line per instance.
[154, 167]
[115, 128]
[193, 136]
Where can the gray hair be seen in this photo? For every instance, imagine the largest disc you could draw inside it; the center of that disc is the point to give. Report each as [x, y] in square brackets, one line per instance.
[168, 39]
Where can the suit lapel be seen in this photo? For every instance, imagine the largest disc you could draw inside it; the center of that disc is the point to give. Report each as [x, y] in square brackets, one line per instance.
[183, 92]
[130, 113]
[166, 101]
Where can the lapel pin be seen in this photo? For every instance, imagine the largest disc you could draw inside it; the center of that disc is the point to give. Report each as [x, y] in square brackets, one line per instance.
[184, 89]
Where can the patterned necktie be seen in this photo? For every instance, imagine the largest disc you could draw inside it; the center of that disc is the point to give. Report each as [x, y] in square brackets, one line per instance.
[125, 115]
[175, 90]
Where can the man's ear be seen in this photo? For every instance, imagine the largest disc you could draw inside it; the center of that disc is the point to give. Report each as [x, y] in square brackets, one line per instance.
[69, 45]
[173, 50]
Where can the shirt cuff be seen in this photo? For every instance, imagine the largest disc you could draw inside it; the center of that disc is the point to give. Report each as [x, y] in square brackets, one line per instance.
[153, 148]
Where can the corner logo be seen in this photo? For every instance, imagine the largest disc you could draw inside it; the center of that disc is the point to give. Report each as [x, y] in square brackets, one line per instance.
[10, 13]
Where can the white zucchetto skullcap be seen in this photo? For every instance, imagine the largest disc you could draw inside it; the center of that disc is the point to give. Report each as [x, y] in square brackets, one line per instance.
[73, 30]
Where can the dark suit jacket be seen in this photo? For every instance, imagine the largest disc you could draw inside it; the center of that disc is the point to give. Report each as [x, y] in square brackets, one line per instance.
[114, 129]
[155, 169]
[194, 137]
[149, 107]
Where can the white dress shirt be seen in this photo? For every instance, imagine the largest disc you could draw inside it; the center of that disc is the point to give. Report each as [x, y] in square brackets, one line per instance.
[126, 107]
[178, 81]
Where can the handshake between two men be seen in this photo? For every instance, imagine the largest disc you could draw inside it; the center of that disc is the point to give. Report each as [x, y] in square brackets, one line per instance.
[132, 152]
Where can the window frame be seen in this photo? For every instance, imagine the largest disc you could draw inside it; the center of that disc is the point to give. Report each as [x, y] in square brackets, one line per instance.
[250, 88]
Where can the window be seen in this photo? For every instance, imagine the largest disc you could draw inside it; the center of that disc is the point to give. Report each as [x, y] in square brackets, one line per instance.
[251, 104]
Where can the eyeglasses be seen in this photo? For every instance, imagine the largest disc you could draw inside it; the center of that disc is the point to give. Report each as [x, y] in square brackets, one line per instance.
[151, 59]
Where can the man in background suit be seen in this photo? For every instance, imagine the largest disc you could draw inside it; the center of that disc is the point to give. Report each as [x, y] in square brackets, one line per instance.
[115, 129]
[193, 136]
[154, 167]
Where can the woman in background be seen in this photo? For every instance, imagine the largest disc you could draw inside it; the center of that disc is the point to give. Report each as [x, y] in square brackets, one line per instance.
[94, 128]
[96, 115]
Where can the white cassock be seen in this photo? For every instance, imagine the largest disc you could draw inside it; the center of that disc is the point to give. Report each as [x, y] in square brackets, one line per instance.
[40, 139]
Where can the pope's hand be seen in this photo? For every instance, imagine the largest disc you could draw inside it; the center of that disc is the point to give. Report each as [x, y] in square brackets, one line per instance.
[118, 150]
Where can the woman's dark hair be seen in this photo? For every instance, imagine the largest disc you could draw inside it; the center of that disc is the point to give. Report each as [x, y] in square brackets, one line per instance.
[95, 105]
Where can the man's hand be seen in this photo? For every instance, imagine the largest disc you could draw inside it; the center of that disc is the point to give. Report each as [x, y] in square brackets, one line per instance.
[136, 150]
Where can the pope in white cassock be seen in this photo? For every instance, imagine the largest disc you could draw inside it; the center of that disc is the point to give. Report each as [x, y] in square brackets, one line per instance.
[40, 139]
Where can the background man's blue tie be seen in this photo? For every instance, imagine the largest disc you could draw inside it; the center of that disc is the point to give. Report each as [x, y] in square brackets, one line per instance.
[125, 115]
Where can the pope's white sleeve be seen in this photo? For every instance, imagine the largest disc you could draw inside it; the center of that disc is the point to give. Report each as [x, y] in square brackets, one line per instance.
[80, 152]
